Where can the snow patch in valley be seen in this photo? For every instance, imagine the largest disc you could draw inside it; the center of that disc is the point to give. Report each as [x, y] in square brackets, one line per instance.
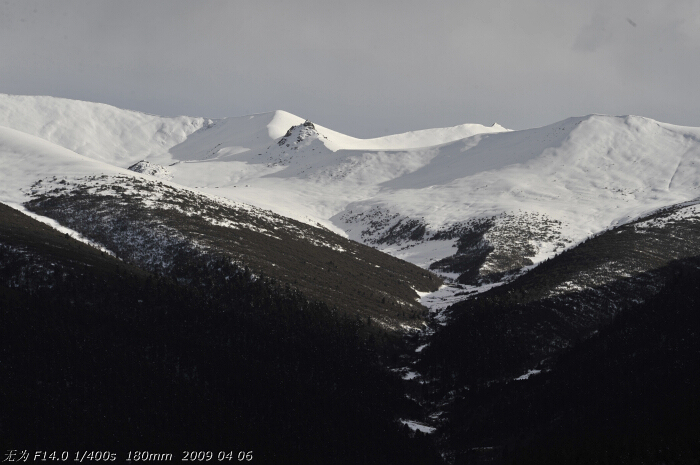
[527, 375]
[421, 347]
[417, 426]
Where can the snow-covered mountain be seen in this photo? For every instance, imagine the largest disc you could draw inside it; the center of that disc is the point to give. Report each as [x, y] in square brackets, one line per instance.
[433, 197]
[220, 237]
[532, 193]
[160, 226]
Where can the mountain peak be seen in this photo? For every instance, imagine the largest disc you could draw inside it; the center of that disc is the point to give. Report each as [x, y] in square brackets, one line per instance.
[299, 133]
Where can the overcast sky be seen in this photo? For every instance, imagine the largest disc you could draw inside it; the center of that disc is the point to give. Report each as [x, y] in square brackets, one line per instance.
[364, 68]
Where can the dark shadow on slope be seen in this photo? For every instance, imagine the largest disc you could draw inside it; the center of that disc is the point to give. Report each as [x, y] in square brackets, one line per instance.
[471, 254]
[356, 279]
[627, 394]
[510, 329]
[404, 230]
[637, 287]
[99, 355]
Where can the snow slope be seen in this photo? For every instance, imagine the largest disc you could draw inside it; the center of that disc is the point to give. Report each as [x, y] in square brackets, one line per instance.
[98, 131]
[124, 137]
[195, 147]
[25, 159]
[590, 173]
[529, 193]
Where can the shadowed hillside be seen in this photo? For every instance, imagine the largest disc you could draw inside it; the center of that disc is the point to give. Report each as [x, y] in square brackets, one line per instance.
[99, 354]
[614, 324]
[628, 394]
[162, 229]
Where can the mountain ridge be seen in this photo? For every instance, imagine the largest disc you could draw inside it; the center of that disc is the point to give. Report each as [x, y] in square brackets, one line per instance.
[546, 188]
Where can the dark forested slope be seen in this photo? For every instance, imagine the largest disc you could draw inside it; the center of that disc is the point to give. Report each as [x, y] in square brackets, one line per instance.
[97, 354]
[159, 227]
[628, 394]
[614, 328]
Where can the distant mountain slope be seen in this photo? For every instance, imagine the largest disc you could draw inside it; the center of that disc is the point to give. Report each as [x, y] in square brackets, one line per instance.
[120, 136]
[162, 228]
[539, 190]
[25, 159]
[95, 130]
[507, 199]
[413, 139]
[249, 145]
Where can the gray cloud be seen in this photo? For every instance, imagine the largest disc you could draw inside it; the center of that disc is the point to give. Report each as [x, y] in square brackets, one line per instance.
[364, 67]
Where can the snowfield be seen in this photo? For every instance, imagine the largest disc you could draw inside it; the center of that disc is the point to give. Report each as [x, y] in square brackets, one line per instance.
[532, 192]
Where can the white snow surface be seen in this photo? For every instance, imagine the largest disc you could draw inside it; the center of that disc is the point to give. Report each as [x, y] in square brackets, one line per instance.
[417, 426]
[24, 159]
[99, 131]
[528, 374]
[587, 173]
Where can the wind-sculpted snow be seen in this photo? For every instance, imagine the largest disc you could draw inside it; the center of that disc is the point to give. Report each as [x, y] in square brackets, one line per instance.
[232, 136]
[25, 159]
[227, 138]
